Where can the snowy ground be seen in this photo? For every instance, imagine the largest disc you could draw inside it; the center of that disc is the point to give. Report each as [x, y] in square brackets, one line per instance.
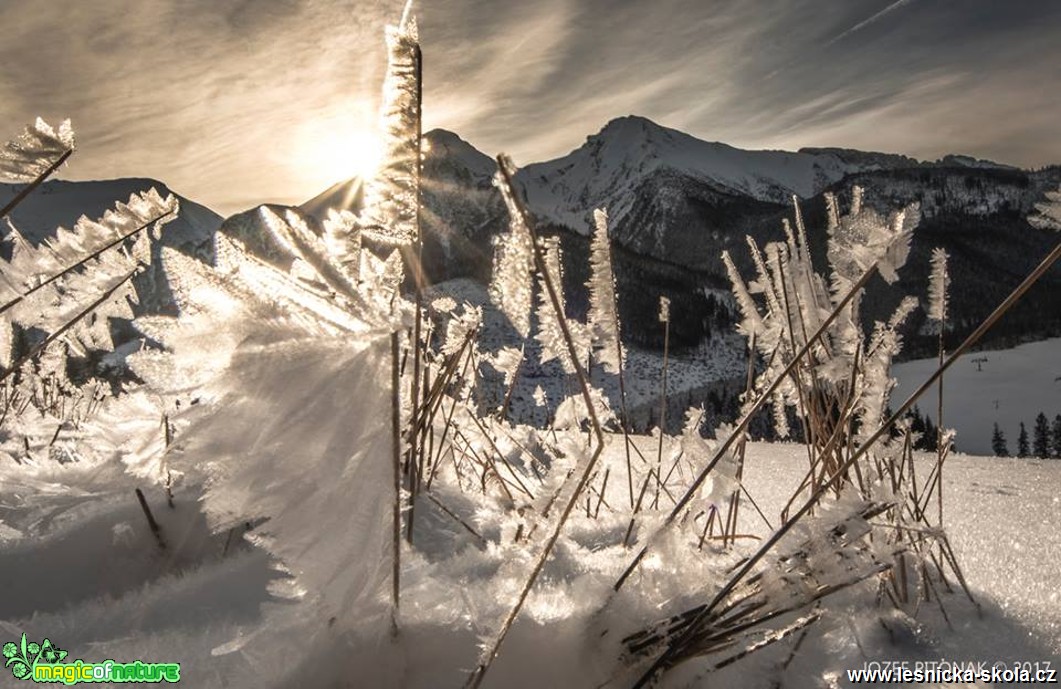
[1003, 518]
[80, 567]
[1011, 386]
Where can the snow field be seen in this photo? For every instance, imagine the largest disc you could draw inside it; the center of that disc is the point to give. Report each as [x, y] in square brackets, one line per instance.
[1011, 386]
[216, 614]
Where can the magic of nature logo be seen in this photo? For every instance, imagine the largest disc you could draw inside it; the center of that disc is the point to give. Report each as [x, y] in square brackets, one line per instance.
[44, 662]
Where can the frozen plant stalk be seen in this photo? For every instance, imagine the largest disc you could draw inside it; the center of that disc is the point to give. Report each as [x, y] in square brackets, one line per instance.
[392, 196]
[550, 334]
[604, 323]
[35, 151]
[603, 309]
[511, 287]
[938, 287]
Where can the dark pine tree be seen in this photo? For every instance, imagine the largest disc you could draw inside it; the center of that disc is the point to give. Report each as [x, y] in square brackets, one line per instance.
[1022, 441]
[930, 439]
[998, 443]
[1041, 437]
[1056, 433]
[917, 422]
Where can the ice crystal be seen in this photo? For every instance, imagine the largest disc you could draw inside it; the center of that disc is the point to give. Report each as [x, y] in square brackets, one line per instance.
[30, 266]
[39, 147]
[751, 321]
[342, 236]
[863, 239]
[392, 196]
[603, 310]
[461, 327]
[511, 286]
[938, 286]
[507, 361]
[549, 333]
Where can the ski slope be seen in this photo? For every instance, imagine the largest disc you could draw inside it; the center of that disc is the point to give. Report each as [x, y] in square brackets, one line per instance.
[1006, 387]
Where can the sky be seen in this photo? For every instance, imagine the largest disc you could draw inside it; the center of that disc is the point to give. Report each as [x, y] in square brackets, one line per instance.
[236, 102]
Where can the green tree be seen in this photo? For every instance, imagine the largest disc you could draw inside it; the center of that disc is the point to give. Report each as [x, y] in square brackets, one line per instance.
[998, 443]
[1022, 441]
[1041, 437]
[1056, 437]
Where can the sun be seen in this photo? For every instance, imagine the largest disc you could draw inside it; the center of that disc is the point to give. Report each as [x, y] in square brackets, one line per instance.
[335, 153]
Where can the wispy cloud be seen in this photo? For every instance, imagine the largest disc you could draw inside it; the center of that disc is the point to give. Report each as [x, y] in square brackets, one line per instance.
[209, 97]
[220, 99]
[866, 22]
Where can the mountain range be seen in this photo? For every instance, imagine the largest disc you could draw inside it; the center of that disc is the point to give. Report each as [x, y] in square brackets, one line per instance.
[675, 203]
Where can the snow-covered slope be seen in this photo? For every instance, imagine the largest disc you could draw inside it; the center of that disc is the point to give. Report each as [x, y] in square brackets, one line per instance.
[984, 388]
[347, 195]
[1009, 565]
[60, 203]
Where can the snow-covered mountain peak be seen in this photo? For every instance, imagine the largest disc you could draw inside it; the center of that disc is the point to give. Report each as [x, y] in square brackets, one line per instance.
[341, 196]
[630, 143]
[610, 166]
[448, 160]
[446, 149]
[633, 130]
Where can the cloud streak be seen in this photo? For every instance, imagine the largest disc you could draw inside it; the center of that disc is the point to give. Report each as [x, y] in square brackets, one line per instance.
[866, 22]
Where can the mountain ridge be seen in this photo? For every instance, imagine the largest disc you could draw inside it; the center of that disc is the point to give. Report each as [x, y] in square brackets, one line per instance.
[671, 216]
[61, 202]
[627, 151]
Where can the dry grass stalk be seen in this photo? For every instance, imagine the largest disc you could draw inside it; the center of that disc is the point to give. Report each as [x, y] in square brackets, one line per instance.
[156, 530]
[475, 679]
[742, 426]
[29, 188]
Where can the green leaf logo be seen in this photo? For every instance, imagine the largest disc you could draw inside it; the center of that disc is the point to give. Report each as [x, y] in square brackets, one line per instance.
[21, 658]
